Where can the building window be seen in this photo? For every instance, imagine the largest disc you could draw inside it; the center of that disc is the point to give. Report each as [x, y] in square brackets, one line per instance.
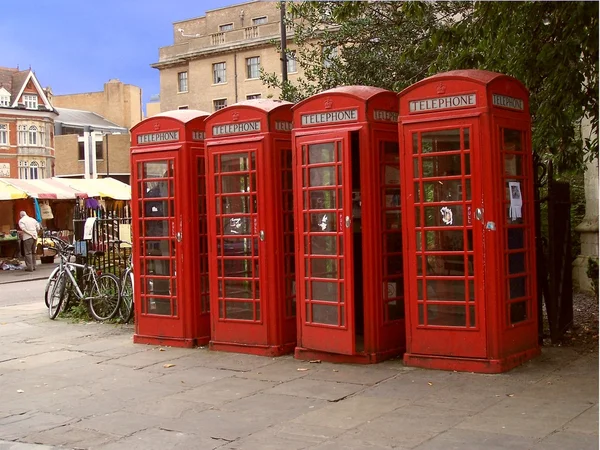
[43, 142]
[291, 61]
[30, 101]
[34, 170]
[219, 73]
[182, 82]
[259, 20]
[4, 100]
[252, 96]
[3, 134]
[253, 67]
[22, 136]
[226, 27]
[23, 170]
[99, 154]
[219, 104]
[329, 55]
[81, 149]
[33, 135]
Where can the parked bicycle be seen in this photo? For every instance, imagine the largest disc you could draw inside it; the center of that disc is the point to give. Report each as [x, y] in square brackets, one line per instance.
[101, 292]
[126, 283]
[61, 248]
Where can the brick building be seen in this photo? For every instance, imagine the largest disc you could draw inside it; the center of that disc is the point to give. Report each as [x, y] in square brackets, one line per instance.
[26, 126]
[216, 59]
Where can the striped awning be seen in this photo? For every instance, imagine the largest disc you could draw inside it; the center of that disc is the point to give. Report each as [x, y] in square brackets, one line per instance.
[9, 192]
[63, 188]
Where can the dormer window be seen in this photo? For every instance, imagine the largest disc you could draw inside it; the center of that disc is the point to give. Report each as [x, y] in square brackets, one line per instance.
[4, 97]
[30, 101]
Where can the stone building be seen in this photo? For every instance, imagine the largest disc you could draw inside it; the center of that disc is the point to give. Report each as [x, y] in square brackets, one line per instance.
[26, 126]
[118, 103]
[215, 59]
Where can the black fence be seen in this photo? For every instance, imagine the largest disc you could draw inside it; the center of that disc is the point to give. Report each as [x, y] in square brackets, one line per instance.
[111, 224]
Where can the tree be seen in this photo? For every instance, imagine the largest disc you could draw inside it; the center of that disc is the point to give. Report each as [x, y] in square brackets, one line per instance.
[552, 47]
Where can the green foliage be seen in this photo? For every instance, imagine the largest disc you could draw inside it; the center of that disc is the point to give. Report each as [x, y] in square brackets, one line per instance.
[593, 273]
[552, 47]
[77, 311]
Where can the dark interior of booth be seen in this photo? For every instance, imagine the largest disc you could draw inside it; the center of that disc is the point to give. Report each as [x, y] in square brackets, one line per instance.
[359, 315]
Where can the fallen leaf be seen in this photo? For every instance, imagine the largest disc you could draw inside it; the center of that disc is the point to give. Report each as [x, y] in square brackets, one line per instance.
[430, 383]
[301, 369]
[161, 349]
[166, 366]
[510, 395]
[315, 361]
[335, 370]
[20, 391]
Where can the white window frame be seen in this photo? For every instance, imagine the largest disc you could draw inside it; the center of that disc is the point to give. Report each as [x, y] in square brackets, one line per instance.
[182, 81]
[291, 62]
[217, 70]
[226, 27]
[32, 136]
[259, 20]
[4, 129]
[34, 170]
[219, 100]
[250, 67]
[5, 100]
[253, 96]
[30, 101]
[22, 135]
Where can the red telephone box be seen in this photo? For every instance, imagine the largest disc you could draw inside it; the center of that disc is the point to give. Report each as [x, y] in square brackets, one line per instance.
[251, 229]
[349, 233]
[468, 224]
[170, 253]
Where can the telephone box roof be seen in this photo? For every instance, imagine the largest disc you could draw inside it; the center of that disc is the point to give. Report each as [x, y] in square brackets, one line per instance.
[183, 115]
[266, 104]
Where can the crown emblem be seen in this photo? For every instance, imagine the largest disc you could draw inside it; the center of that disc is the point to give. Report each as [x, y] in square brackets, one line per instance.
[441, 88]
[156, 126]
[328, 103]
[235, 116]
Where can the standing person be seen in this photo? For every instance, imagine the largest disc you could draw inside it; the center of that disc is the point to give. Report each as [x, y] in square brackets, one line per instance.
[30, 228]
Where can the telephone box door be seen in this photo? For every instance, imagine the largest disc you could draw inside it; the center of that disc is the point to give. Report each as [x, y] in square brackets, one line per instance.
[159, 231]
[444, 213]
[234, 265]
[324, 252]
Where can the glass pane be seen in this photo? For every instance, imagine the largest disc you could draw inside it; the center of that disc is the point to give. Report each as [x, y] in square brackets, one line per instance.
[237, 247]
[440, 141]
[238, 289]
[237, 225]
[391, 174]
[153, 189]
[512, 140]
[237, 204]
[239, 310]
[442, 166]
[513, 165]
[446, 315]
[156, 248]
[158, 267]
[325, 314]
[158, 286]
[234, 162]
[322, 245]
[445, 265]
[321, 153]
[392, 220]
[439, 216]
[156, 208]
[421, 318]
[446, 290]
[472, 317]
[239, 268]
[395, 310]
[235, 183]
[518, 312]
[322, 176]
[155, 169]
[447, 241]
[517, 287]
[415, 142]
[394, 265]
[516, 263]
[324, 199]
[325, 291]
[323, 222]
[156, 228]
[160, 306]
[515, 238]
[323, 268]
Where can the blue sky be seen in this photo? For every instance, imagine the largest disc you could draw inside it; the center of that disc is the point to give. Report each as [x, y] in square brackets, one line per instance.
[76, 46]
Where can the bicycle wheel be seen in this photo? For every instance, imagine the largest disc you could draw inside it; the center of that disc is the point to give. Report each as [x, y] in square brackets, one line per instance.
[50, 285]
[126, 303]
[56, 296]
[104, 301]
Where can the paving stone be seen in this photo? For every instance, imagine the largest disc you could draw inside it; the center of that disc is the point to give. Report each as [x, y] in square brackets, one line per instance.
[350, 442]
[7, 445]
[71, 436]
[461, 398]
[326, 390]
[164, 407]
[276, 406]
[456, 439]
[586, 422]
[146, 358]
[349, 413]
[283, 369]
[17, 427]
[239, 362]
[192, 377]
[160, 439]
[120, 423]
[223, 390]
[406, 387]
[567, 440]
[348, 373]
[41, 360]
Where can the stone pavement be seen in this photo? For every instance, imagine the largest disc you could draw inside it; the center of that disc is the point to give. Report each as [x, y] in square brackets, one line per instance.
[86, 385]
[42, 271]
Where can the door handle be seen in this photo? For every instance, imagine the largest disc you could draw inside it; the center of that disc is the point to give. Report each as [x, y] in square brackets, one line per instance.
[261, 235]
[479, 214]
[348, 222]
[178, 236]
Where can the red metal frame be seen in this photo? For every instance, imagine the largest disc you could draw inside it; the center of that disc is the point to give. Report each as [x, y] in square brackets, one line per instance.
[250, 225]
[470, 298]
[348, 263]
[169, 230]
